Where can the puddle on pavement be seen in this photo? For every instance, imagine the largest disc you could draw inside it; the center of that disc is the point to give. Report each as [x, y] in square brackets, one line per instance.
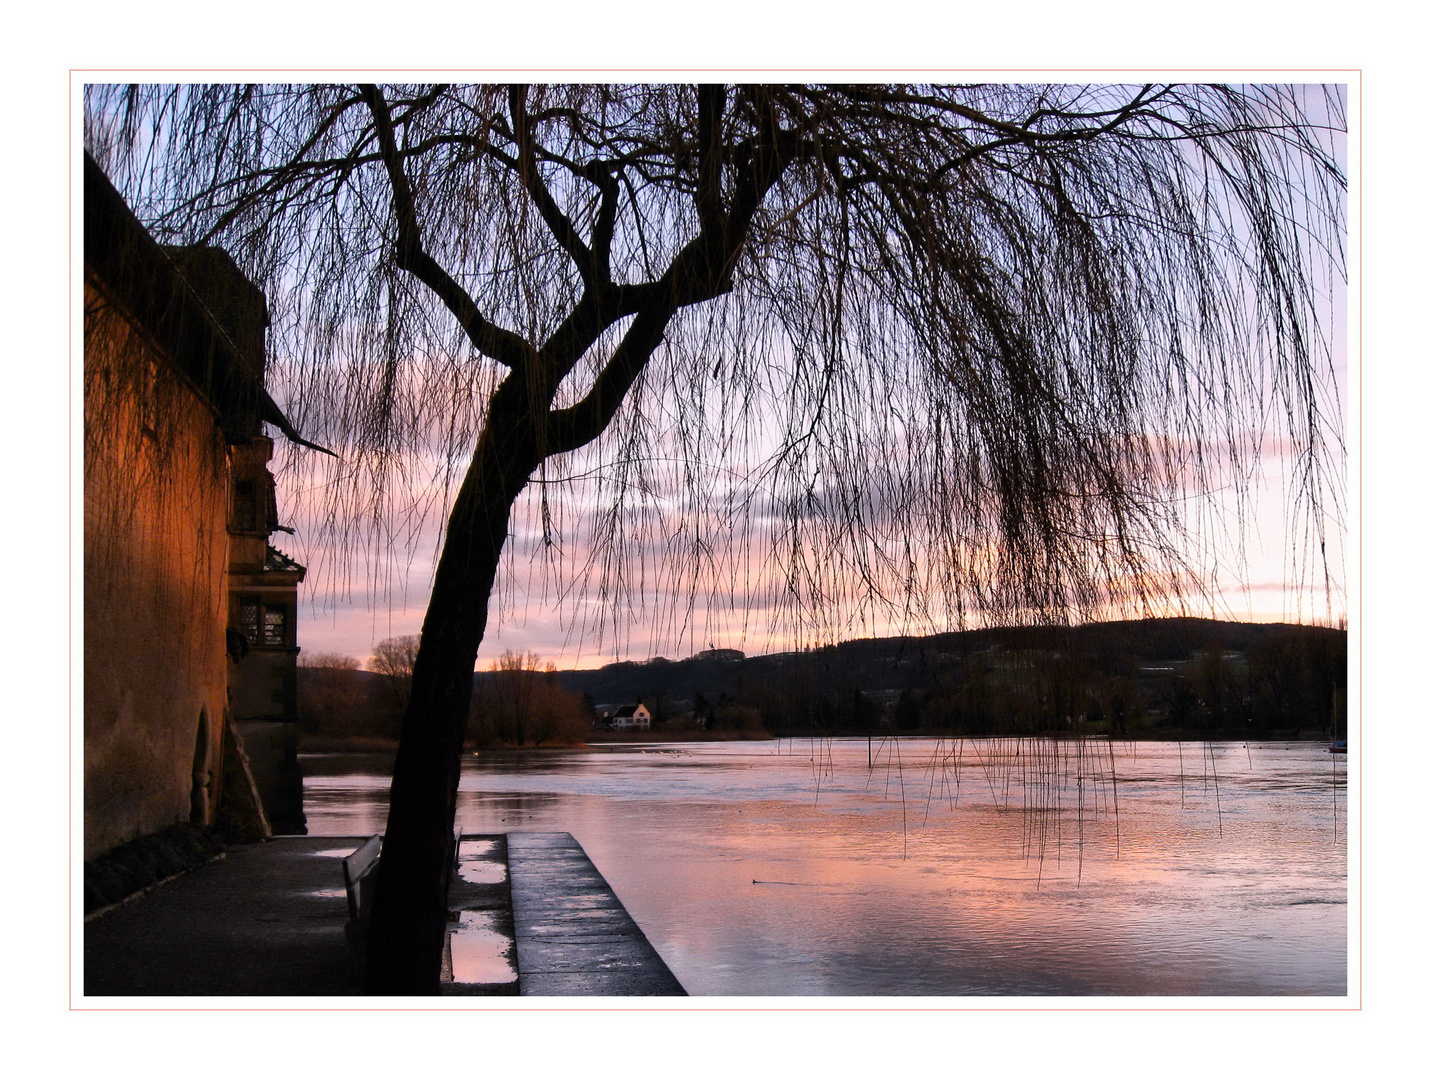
[480, 953]
[478, 864]
[482, 873]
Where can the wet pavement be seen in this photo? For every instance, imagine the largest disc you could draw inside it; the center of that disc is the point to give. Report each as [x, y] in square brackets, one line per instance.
[267, 920]
[574, 937]
[264, 919]
[481, 955]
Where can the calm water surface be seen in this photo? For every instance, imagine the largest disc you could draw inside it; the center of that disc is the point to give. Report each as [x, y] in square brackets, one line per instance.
[937, 867]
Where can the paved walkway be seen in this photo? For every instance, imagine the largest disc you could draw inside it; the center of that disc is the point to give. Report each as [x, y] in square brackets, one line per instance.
[267, 920]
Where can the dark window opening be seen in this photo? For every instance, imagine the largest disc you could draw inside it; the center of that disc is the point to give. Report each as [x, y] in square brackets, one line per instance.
[149, 399]
[245, 507]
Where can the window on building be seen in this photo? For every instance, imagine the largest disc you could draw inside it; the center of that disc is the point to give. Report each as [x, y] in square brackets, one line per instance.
[248, 618]
[149, 398]
[262, 624]
[275, 624]
[245, 507]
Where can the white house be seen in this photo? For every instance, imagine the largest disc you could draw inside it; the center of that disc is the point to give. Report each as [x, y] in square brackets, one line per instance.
[629, 717]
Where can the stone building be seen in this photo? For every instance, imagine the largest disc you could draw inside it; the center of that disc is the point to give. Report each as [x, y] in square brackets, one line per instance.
[177, 498]
[263, 604]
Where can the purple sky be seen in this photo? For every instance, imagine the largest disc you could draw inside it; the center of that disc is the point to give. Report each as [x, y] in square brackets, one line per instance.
[1264, 565]
[356, 597]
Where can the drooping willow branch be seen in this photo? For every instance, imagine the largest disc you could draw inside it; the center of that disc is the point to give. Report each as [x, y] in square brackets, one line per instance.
[956, 352]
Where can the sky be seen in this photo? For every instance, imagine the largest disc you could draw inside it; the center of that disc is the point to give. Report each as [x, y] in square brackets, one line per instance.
[374, 584]
[1263, 566]
[384, 595]
[374, 587]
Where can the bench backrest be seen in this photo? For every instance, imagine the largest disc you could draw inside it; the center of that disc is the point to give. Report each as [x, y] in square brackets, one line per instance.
[358, 876]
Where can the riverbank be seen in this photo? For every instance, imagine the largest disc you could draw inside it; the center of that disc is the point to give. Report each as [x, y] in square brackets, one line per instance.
[346, 744]
[371, 744]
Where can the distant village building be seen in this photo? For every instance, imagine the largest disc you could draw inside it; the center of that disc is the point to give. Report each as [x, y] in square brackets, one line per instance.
[188, 610]
[720, 654]
[627, 717]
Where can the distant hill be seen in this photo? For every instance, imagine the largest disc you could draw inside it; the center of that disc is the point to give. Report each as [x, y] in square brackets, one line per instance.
[1157, 678]
[1154, 671]
[905, 662]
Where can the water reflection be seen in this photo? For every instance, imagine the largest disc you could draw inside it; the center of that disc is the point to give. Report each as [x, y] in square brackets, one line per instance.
[480, 952]
[479, 864]
[936, 867]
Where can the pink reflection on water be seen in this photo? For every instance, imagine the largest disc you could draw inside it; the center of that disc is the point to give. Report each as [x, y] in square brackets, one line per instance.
[936, 867]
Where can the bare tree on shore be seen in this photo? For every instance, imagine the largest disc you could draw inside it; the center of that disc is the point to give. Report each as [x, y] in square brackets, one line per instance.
[395, 658]
[521, 701]
[954, 352]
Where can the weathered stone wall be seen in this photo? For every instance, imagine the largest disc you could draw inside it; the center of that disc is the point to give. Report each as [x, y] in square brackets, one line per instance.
[272, 750]
[155, 512]
[265, 685]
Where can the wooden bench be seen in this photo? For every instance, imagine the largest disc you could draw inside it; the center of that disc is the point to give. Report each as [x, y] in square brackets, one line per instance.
[360, 879]
[456, 858]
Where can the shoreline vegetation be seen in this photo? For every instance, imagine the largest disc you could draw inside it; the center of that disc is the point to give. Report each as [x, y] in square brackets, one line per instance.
[360, 744]
[1157, 679]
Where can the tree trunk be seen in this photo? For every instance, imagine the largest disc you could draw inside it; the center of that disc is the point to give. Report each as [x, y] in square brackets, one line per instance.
[409, 918]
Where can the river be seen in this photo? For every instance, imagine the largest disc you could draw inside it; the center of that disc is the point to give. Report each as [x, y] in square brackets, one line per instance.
[926, 867]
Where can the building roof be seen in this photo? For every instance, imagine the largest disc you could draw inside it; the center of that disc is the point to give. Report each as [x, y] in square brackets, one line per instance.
[196, 304]
[276, 560]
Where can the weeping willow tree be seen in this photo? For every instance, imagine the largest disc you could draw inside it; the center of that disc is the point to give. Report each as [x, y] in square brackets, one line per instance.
[952, 353]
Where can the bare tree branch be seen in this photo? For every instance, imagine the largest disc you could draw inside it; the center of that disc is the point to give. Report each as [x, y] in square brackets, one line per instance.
[526, 168]
[501, 345]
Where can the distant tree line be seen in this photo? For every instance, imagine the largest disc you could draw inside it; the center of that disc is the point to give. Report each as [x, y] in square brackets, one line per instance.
[1282, 686]
[1160, 679]
[518, 702]
[336, 700]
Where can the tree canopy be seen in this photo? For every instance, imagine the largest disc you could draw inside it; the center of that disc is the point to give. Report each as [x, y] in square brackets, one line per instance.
[1072, 304]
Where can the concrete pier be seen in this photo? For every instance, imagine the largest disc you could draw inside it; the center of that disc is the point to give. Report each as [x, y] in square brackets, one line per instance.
[574, 937]
[267, 920]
